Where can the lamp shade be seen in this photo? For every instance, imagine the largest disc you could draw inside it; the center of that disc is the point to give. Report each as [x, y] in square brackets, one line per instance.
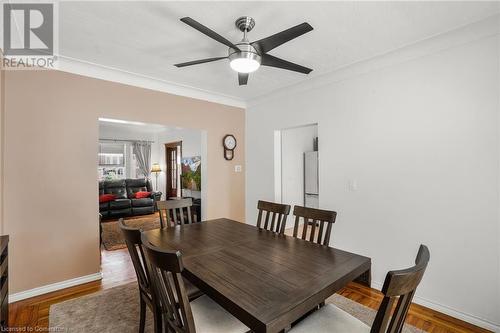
[156, 168]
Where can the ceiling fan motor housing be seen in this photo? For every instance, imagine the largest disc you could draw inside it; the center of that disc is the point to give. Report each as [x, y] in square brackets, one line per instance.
[247, 52]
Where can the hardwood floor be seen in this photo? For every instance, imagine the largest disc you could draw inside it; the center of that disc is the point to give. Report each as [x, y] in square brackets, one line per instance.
[418, 316]
[117, 269]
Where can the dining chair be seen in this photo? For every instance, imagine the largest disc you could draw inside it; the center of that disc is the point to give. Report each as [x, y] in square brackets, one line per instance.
[399, 288]
[278, 214]
[180, 315]
[324, 218]
[172, 212]
[133, 241]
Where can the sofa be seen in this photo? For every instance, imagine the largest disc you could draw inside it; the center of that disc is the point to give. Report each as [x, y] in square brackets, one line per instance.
[124, 202]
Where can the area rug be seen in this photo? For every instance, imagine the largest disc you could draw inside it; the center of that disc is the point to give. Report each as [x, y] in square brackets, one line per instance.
[117, 310]
[111, 236]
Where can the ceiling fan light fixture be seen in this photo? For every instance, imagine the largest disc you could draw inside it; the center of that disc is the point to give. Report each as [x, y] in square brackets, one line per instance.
[244, 65]
[245, 61]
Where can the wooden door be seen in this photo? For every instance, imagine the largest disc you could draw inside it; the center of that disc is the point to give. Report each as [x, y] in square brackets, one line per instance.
[173, 155]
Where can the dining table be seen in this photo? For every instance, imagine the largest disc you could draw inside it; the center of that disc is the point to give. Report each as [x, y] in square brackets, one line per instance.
[266, 280]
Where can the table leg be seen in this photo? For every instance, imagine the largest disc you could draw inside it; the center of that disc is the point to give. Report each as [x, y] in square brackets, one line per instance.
[365, 278]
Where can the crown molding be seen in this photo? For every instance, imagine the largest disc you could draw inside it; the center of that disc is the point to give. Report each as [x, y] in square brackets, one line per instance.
[89, 69]
[456, 37]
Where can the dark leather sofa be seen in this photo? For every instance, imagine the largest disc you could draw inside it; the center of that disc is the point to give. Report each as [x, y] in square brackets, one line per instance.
[125, 203]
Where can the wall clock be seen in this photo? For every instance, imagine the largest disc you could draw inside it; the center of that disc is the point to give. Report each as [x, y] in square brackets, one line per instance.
[229, 143]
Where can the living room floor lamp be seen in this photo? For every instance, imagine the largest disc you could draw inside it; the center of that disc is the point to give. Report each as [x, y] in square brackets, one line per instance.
[156, 169]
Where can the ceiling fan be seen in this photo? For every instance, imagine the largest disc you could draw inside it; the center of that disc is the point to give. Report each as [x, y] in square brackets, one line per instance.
[246, 57]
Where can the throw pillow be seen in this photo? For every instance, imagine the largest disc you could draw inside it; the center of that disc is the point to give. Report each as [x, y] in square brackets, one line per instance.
[142, 194]
[106, 198]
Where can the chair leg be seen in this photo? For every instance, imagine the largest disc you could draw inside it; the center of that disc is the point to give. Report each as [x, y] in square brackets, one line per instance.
[158, 320]
[322, 304]
[142, 320]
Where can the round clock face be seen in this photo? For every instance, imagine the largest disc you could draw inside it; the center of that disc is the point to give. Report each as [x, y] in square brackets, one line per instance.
[229, 142]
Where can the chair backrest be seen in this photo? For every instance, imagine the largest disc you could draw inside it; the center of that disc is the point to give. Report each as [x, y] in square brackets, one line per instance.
[172, 212]
[278, 214]
[133, 240]
[325, 219]
[399, 286]
[165, 268]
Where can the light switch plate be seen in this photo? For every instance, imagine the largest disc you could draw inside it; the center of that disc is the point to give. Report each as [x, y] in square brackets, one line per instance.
[237, 168]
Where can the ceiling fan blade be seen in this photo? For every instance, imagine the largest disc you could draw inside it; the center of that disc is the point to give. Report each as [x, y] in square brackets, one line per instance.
[271, 61]
[267, 44]
[196, 62]
[243, 79]
[210, 33]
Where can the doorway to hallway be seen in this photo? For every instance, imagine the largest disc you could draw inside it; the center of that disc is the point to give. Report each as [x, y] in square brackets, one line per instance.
[296, 166]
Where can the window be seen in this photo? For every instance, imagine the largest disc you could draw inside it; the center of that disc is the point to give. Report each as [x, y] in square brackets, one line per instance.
[112, 161]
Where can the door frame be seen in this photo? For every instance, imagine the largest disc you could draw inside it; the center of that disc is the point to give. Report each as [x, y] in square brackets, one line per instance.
[168, 182]
[278, 165]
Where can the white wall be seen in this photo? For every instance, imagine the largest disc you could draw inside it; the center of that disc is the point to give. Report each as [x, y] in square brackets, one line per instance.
[294, 142]
[421, 139]
[191, 140]
[191, 146]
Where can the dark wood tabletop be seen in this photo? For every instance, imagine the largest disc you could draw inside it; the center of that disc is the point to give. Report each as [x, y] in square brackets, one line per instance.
[264, 279]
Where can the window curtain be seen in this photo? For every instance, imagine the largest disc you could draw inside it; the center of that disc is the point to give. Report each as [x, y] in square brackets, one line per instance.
[142, 152]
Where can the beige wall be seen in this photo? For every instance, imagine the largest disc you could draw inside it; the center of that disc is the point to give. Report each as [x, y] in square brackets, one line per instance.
[51, 133]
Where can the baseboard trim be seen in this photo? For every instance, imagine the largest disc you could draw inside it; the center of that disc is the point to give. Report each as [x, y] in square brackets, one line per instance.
[484, 323]
[54, 287]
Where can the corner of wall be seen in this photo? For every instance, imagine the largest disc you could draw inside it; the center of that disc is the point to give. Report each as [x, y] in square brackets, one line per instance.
[2, 121]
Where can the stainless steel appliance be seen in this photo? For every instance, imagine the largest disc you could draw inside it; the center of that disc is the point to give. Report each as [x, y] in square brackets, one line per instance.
[311, 182]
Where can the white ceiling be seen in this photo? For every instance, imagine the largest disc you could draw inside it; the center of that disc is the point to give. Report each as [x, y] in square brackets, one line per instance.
[147, 37]
[107, 125]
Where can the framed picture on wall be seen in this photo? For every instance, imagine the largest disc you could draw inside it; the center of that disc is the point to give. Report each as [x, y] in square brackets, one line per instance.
[191, 173]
